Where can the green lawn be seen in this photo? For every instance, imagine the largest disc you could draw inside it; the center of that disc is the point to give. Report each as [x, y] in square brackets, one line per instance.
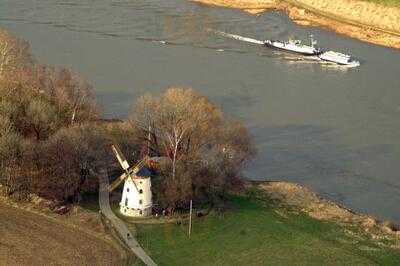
[255, 232]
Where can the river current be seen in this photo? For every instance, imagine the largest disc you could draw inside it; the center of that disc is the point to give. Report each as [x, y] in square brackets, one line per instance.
[332, 129]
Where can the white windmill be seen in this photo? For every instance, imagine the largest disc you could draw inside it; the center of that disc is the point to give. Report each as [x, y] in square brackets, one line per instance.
[136, 196]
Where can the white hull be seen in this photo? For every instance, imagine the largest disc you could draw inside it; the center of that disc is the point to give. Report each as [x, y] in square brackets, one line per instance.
[293, 46]
[339, 58]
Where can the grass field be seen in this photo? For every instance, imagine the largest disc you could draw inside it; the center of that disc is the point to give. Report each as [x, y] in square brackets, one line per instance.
[256, 232]
[30, 239]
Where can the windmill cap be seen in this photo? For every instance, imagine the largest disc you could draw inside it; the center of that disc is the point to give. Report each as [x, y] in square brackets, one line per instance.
[143, 172]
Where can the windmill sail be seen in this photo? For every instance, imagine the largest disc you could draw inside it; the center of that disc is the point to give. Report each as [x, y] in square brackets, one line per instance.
[129, 173]
[134, 170]
[117, 182]
[121, 158]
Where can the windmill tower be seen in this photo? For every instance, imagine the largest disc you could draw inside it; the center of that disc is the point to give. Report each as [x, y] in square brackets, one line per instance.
[136, 198]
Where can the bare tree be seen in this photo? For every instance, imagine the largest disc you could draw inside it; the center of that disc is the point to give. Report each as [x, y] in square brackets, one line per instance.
[206, 150]
[14, 52]
[72, 95]
[42, 118]
[42, 99]
[176, 121]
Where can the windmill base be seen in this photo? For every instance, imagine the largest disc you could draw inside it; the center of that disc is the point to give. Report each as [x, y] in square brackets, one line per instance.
[135, 212]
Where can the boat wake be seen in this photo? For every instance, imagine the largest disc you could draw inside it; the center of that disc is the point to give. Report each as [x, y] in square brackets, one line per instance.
[236, 37]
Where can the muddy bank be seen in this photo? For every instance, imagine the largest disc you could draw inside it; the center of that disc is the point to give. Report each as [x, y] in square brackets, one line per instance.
[362, 20]
[307, 201]
[252, 6]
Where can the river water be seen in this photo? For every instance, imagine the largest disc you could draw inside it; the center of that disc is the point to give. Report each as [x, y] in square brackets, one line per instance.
[334, 130]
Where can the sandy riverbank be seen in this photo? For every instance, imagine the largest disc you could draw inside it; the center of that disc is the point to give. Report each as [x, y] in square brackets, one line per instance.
[365, 21]
[307, 201]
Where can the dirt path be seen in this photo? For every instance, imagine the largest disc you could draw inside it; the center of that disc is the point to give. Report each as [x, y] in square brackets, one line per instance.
[32, 239]
[118, 224]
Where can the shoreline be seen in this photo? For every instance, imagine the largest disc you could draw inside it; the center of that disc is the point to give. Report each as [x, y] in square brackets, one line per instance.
[307, 201]
[305, 14]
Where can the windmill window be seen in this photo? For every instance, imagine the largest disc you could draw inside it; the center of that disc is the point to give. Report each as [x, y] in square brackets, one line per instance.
[140, 191]
[140, 201]
[127, 189]
[140, 212]
[126, 202]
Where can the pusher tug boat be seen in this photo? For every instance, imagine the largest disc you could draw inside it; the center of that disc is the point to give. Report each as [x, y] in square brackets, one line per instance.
[295, 46]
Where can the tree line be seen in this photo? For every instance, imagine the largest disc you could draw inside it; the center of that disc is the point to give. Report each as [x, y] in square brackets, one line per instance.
[53, 141]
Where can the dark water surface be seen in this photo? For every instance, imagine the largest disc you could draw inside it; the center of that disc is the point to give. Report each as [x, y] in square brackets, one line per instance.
[334, 130]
